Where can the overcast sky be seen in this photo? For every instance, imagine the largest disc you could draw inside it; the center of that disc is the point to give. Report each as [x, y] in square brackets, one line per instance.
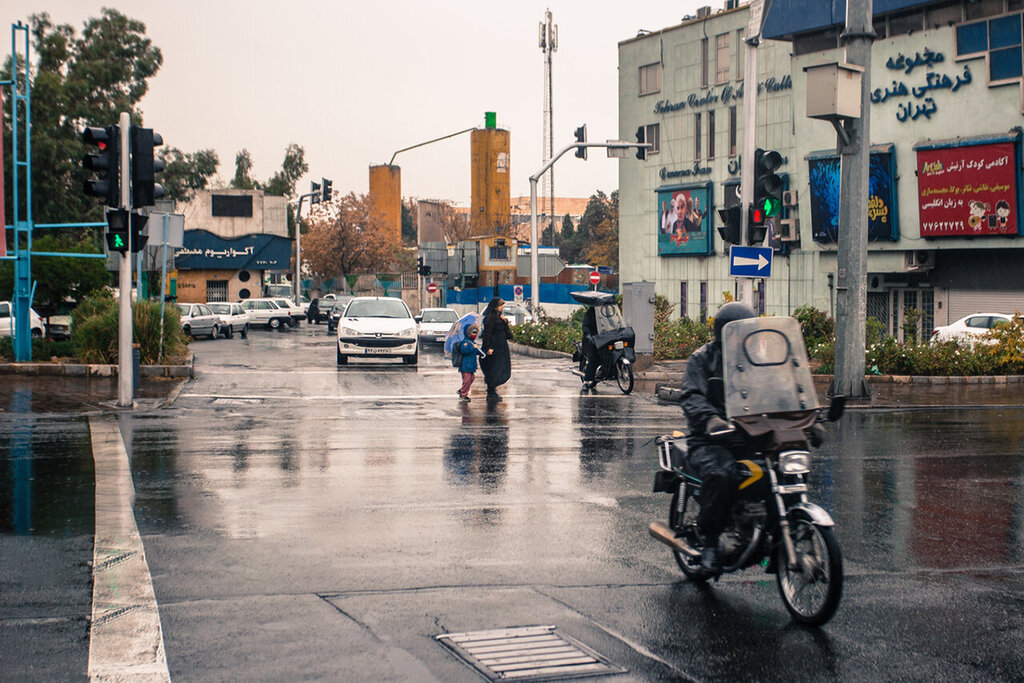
[352, 82]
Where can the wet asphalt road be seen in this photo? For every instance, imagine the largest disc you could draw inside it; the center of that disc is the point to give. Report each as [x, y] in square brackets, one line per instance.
[306, 521]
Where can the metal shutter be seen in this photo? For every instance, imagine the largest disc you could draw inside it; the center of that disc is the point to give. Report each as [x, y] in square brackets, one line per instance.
[965, 302]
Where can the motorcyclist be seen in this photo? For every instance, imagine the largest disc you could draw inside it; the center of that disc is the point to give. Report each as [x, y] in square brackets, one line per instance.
[713, 460]
[589, 349]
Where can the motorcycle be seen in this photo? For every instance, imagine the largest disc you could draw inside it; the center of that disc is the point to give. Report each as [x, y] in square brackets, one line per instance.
[771, 408]
[614, 341]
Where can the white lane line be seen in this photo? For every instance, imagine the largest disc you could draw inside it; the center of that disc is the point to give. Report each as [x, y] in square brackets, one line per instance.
[404, 398]
[125, 638]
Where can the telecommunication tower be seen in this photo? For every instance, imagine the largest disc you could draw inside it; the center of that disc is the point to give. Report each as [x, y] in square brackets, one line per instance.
[548, 42]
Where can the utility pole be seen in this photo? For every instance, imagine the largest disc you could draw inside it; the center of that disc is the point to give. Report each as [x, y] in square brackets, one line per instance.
[125, 385]
[852, 255]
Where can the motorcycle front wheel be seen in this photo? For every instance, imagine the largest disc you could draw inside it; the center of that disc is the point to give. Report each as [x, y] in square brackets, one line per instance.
[624, 375]
[811, 590]
[685, 524]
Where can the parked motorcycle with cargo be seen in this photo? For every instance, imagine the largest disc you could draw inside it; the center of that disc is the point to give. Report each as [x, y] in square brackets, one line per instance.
[771, 403]
[614, 341]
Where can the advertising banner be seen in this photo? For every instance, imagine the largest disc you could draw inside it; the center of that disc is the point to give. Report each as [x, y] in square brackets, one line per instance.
[968, 191]
[823, 177]
[684, 220]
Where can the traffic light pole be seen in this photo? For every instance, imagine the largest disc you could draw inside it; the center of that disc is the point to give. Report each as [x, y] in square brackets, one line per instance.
[534, 259]
[125, 388]
[746, 284]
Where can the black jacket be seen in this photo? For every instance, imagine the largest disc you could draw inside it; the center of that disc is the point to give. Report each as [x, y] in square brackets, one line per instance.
[703, 398]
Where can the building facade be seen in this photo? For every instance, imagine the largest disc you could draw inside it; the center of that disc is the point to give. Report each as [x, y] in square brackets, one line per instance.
[233, 239]
[945, 191]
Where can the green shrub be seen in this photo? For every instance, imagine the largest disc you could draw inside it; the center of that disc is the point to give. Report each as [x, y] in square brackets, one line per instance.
[677, 339]
[816, 326]
[42, 349]
[94, 330]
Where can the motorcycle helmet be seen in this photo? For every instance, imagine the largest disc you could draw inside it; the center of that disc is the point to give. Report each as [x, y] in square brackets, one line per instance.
[734, 310]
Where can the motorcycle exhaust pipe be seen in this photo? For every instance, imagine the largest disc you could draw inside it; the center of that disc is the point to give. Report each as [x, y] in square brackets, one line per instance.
[663, 533]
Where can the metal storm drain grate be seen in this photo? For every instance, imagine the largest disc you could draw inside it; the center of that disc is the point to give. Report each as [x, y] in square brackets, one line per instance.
[526, 653]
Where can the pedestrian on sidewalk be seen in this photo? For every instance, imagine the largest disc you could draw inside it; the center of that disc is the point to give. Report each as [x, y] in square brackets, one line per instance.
[468, 350]
[497, 363]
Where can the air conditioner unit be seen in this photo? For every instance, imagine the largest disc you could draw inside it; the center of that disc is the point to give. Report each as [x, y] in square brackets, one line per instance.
[789, 229]
[790, 198]
[876, 283]
[704, 11]
[918, 260]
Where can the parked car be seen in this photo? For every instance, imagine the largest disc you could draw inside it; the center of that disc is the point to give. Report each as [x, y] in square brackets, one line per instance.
[434, 323]
[197, 319]
[516, 313]
[971, 327]
[295, 311]
[377, 326]
[266, 313]
[36, 327]
[233, 318]
[335, 313]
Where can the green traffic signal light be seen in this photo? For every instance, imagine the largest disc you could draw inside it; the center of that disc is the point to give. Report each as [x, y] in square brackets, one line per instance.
[119, 242]
[772, 206]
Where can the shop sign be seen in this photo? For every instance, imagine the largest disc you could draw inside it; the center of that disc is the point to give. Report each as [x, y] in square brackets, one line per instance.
[205, 250]
[967, 191]
[917, 92]
[723, 95]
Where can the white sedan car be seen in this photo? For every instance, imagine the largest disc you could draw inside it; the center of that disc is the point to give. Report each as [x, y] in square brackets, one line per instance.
[516, 313]
[294, 310]
[434, 323]
[233, 318]
[970, 328]
[377, 326]
[36, 326]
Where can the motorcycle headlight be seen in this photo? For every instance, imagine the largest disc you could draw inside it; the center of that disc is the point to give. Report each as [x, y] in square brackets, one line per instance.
[795, 462]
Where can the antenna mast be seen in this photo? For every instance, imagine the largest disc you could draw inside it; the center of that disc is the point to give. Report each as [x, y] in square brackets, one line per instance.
[548, 42]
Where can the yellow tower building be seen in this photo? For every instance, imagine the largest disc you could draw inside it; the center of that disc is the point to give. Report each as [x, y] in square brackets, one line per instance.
[386, 195]
[489, 161]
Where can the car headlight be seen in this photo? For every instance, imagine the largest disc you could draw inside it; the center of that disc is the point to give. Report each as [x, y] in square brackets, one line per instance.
[349, 332]
[411, 332]
[795, 462]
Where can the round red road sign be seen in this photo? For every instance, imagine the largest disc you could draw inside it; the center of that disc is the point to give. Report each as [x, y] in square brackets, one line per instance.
[431, 288]
[595, 277]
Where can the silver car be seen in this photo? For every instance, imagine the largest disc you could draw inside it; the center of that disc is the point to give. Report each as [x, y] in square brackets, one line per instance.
[197, 319]
[233, 318]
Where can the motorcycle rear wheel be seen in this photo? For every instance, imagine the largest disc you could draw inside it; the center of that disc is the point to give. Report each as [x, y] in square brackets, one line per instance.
[624, 376]
[685, 524]
[811, 592]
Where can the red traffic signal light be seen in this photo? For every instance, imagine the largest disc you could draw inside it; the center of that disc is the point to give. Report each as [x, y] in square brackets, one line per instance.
[106, 164]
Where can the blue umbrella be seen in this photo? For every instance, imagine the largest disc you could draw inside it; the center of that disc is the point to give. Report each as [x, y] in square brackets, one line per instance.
[458, 331]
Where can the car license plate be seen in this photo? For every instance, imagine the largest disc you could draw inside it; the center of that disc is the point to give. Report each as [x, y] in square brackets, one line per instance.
[371, 352]
[618, 345]
[440, 339]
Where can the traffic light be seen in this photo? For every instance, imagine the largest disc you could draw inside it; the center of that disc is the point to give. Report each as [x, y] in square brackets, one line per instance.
[314, 192]
[426, 270]
[145, 189]
[107, 164]
[581, 136]
[730, 230]
[118, 230]
[641, 152]
[767, 184]
[756, 224]
[328, 190]
[138, 224]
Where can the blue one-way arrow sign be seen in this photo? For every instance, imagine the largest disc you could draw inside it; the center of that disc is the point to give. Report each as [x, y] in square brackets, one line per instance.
[750, 261]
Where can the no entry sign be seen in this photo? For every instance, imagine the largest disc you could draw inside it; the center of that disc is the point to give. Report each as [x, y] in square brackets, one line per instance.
[431, 288]
[595, 277]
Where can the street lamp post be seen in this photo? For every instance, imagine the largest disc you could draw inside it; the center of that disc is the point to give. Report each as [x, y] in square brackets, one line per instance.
[611, 146]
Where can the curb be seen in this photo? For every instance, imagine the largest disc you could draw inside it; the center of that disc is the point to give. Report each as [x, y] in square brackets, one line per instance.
[185, 370]
[534, 352]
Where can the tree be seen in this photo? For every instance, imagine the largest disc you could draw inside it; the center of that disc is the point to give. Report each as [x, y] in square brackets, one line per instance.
[78, 81]
[58, 277]
[294, 166]
[568, 230]
[603, 247]
[409, 233]
[184, 174]
[243, 172]
[348, 236]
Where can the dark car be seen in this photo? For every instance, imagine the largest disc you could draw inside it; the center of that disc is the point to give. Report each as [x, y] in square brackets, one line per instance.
[323, 309]
[335, 312]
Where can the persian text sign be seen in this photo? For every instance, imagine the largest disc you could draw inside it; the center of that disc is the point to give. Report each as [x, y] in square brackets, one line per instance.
[967, 191]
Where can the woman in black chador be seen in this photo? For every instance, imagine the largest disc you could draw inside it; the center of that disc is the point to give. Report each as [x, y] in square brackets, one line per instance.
[497, 364]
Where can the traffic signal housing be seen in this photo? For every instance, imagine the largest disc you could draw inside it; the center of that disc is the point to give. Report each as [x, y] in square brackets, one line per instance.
[327, 190]
[581, 136]
[145, 189]
[138, 224]
[314, 192]
[106, 164]
[757, 224]
[641, 137]
[118, 230]
[767, 184]
[730, 228]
